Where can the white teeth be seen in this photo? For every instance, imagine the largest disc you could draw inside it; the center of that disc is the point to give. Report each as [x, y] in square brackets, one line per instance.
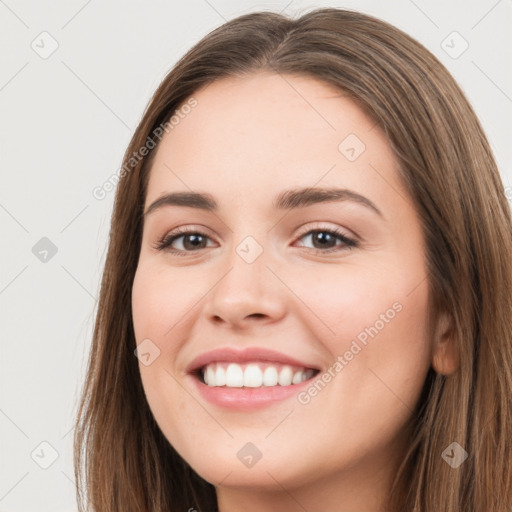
[285, 376]
[254, 375]
[234, 376]
[210, 376]
[253, 378]
[270, 376]
[297, 377]
[220, 376]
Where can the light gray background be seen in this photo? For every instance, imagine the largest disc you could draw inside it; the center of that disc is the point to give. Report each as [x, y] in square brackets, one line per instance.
[66, 121]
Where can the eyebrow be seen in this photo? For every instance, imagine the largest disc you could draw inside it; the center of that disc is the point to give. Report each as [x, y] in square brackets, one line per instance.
[286, 200]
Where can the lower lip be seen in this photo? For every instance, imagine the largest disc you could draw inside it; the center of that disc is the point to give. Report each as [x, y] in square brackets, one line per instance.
[247, 398]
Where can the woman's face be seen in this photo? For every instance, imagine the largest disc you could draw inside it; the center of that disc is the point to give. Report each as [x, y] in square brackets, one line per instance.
[266, 270]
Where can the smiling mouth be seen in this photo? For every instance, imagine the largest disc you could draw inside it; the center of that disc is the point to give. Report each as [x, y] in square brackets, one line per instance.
[253, 374]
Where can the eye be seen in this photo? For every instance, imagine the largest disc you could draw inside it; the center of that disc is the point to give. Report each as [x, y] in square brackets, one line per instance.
[192, 240]
[325, 240]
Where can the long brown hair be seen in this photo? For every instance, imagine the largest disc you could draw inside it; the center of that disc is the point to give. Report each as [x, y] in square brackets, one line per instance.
[122, 460]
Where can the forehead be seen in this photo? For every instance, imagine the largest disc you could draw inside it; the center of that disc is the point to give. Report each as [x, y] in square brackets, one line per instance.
[247, 135]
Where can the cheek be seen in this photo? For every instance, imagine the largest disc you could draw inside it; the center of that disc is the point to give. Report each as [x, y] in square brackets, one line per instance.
[355, 301]
[161, 300]
[374, 323]
[163, 309]
[380, 356]
[155, 309]
[143, 303]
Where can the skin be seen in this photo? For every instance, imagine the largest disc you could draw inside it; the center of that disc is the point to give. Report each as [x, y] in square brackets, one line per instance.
[247, 140]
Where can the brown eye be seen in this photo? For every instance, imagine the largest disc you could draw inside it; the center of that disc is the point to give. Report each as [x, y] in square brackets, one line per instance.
[326, 240]
[190, 241]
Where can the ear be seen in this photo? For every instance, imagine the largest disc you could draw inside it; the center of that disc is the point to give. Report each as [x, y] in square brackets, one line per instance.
[445, 354]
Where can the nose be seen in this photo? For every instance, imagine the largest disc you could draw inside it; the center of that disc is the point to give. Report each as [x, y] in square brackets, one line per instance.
[246, 294]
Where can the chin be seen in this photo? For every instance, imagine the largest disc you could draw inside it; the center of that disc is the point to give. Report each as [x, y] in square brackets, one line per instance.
[263, 477]
[242, 464]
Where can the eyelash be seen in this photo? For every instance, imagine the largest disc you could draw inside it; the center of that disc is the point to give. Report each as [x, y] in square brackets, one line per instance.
[164, 243]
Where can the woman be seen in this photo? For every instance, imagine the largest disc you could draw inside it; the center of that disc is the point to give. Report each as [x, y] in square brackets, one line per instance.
[306, 302]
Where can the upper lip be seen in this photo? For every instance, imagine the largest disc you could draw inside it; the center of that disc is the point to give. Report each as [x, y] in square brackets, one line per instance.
[244, 356]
